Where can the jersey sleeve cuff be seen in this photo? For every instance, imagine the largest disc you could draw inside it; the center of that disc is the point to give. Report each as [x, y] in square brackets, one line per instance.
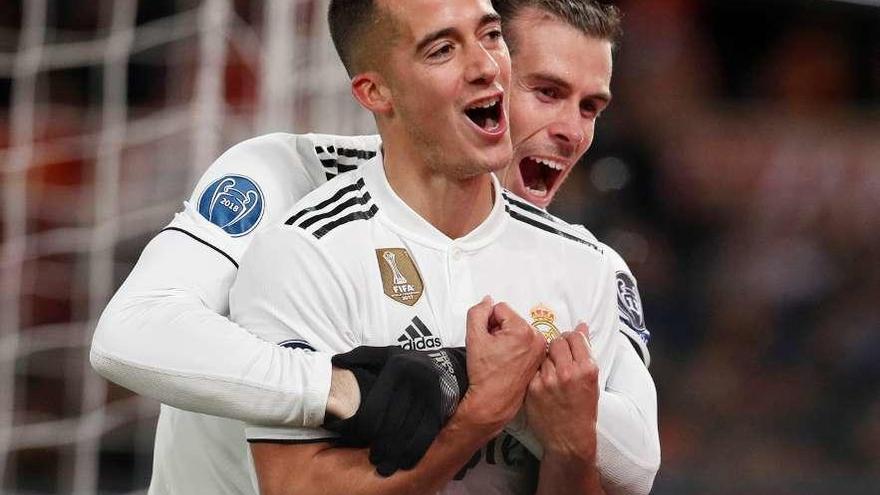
[318, 390]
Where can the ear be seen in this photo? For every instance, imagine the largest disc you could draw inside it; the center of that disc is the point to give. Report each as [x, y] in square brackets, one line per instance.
[371, 91]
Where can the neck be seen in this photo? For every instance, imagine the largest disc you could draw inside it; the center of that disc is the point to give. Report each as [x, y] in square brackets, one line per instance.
[453, 205]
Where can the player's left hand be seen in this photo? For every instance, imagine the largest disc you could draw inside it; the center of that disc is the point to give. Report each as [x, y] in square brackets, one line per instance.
[562, 400]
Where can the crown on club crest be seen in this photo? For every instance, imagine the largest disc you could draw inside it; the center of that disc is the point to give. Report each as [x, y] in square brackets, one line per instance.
[543, 320]
[541, 313]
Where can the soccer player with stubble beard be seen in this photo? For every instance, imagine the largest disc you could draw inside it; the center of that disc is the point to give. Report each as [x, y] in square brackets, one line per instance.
[556, 97]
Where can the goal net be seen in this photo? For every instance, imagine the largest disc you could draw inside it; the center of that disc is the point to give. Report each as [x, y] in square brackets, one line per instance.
[111, 110]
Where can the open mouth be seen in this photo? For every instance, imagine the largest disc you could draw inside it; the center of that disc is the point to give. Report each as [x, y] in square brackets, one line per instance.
[539, 175]
[486, 114]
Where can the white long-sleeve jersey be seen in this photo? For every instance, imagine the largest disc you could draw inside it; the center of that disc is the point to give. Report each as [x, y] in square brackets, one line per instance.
[165, 334]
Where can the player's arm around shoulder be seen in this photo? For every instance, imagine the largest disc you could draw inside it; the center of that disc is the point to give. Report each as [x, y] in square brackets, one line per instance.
[162, 331]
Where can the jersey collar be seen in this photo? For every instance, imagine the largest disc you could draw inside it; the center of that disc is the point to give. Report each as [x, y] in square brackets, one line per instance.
[403, 219]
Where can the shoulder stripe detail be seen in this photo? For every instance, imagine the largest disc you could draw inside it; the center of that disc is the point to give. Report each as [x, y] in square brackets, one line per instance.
[330, 159]
[357, 215]
[553, 229]
[342, 168]
[323, 204]
[529, 207]
[206, 243]
[544, 221]
[355, 153]
[356, 200]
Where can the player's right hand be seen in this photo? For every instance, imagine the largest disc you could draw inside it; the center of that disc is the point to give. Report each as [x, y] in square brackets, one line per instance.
[504, 353]
[562, 401]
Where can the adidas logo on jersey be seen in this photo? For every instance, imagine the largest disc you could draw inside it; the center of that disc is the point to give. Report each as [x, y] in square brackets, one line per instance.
[417, 337]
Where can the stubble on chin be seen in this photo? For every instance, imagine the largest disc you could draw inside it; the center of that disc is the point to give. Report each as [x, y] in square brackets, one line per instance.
[449, 160]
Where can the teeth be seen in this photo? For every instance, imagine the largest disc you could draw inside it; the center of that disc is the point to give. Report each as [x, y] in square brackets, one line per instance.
[488, 104]
[491, 124]
[549, 163]
[536, 192]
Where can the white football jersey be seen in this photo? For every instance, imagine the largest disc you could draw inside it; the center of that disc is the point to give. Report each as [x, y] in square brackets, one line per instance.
[354, 265]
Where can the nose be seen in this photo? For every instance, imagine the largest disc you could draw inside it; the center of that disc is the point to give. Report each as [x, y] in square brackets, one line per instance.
[483, 69]
[569, 131]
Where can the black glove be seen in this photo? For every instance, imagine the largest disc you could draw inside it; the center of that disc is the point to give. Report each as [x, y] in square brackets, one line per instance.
[406, 397]
[365, 363]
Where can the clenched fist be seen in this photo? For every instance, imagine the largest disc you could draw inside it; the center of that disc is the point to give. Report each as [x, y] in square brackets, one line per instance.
[503, 354]
[562, 400]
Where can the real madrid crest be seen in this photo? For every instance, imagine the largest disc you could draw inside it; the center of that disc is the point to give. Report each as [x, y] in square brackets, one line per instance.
[544, 321]
[400, 277]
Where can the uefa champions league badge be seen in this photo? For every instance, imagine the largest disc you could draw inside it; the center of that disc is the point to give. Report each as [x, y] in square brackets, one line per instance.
[544, 321]
[234, 203]
[629, 305]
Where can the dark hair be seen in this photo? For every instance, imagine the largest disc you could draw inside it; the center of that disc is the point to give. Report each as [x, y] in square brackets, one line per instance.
[593, 18]
[351, 22]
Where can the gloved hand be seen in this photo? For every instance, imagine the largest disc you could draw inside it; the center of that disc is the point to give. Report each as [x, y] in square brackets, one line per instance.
[406, 397]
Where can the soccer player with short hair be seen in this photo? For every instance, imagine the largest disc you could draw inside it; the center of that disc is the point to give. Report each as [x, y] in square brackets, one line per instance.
[163, 331]
[415, 236]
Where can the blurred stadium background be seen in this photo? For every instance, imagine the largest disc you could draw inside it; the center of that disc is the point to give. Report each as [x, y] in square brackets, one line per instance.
[738, 172]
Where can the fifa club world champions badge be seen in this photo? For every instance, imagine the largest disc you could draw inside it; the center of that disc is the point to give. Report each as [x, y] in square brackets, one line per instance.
[400, 277]
[544, 321]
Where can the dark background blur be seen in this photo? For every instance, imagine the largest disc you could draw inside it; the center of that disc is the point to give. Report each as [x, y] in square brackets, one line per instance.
[737, 171]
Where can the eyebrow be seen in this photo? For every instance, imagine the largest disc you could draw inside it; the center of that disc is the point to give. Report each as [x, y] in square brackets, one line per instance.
[443, 33]
[552, 79]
